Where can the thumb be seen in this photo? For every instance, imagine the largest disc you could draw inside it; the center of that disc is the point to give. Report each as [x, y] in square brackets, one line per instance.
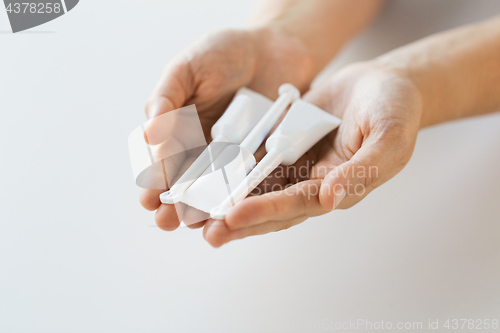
[347, 184]
[173, 90]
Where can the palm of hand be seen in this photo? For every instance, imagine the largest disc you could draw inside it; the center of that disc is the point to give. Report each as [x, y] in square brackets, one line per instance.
[381, 114]
[208, 74]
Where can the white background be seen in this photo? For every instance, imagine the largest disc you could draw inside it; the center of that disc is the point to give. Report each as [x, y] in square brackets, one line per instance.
[79, 254]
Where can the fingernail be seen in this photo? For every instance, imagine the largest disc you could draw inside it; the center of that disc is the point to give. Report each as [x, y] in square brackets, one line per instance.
[339, 194]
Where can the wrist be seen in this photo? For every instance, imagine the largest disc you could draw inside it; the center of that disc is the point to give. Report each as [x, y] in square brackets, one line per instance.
[455, 71]
[285, 55]
[408, 66]
[323, 27]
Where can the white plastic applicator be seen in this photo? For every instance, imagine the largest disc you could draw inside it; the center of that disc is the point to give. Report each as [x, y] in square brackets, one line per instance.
[232, 166]
[303, 126]
[246, 109]
[288, 94]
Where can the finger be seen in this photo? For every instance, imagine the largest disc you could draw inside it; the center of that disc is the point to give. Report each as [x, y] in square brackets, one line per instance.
[167, 217]
[300, 200]
[373, 164]
[197, 225]
[170, 166]
[217, 233]
[174, 88]
[194, 218]
[150, 199]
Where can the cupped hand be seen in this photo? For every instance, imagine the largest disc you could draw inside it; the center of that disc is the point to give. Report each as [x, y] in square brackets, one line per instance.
[381, 111]
[209, 73]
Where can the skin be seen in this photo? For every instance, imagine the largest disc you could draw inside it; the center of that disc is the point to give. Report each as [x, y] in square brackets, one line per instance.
[383, 104]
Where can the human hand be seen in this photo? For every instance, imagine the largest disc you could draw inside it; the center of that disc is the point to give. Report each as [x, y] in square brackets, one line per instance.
[381, 111]
[209, 73]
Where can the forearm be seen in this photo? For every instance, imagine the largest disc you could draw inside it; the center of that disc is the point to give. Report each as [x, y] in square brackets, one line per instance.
[457, 72]
[323, 26]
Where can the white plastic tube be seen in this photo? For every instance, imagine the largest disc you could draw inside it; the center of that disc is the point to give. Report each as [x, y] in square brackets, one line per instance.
[270, 162]
[288, 94]
[198, 195]
[303, 126]
[244, 112]
[229, 128]
[234, 163]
